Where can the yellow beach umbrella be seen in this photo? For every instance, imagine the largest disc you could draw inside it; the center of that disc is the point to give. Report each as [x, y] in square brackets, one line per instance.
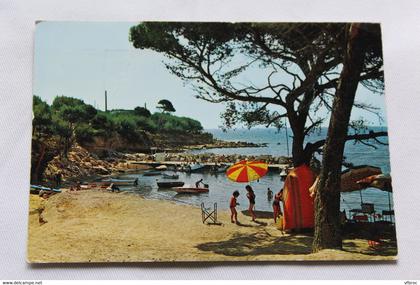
[246, 171]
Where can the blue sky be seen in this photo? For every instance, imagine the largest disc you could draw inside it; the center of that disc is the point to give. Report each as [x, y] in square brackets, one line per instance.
[82, 59]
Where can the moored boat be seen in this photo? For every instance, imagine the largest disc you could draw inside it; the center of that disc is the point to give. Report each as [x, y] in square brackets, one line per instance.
[36, 188]
[170, 176]
[170, 184]
[122, 182]
[195, 167]
[283, 174]
[161, 167]
[152, 173]
[190, 190]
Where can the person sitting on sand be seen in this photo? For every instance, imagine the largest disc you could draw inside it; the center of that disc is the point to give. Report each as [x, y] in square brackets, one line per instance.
[41, 209]
[269, 194]
[276, 205]
[197, 184]
[251, 198]
[232, 204]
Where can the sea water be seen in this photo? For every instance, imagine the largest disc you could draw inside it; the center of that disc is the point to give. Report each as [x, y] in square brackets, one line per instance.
[221, 188]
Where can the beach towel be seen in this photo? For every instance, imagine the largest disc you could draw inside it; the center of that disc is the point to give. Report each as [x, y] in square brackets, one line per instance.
[297, 202]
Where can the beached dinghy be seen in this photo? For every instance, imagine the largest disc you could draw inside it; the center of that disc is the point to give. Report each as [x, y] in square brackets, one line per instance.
[36, 188]
[123, 182]
[170, 176]
[170, 184]
[190, 190]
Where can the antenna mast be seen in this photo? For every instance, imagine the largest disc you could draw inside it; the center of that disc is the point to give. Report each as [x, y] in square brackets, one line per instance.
[106, 101]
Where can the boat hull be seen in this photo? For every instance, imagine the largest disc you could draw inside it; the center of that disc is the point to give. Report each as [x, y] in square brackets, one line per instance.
[170, 184]
[165, 176]
[190, 190]
[152, 173]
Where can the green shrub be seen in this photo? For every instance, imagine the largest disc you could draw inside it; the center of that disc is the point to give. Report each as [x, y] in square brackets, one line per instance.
[84, 133]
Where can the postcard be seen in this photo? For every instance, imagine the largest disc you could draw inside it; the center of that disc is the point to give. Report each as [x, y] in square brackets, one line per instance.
[209, 141]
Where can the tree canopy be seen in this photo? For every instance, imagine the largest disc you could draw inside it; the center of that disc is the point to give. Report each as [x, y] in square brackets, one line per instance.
[142, 111]
[298, 67]
[70, 119]
[166, 106]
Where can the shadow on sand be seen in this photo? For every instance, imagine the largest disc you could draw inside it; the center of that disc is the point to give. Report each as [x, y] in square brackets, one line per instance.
[260, 243]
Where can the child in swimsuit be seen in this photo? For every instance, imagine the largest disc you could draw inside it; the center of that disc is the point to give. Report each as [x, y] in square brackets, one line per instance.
[276, 205]
[251, 198]
[233, 203]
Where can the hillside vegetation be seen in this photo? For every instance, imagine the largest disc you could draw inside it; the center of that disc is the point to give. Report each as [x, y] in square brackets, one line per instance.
[69, 122]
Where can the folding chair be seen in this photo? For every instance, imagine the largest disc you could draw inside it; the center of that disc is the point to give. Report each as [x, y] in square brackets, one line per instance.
[207, 213]
[369, 209]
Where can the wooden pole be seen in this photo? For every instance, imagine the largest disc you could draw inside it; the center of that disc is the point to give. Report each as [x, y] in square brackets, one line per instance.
[106, 101]
[287, 137]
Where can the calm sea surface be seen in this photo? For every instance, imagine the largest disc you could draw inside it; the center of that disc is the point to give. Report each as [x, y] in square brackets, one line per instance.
[221, 188]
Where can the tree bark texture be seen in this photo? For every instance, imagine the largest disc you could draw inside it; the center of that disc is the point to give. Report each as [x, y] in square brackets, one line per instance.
[327, 201]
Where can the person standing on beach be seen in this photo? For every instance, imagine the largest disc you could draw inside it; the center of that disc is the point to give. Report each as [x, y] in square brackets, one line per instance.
[232, 204]
[269, 194]
[276, 205]
[251, 197]
[58, 179]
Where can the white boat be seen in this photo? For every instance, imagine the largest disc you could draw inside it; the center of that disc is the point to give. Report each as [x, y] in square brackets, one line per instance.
[283, 174]
[161, 167]
[219, 169]
[195, 167]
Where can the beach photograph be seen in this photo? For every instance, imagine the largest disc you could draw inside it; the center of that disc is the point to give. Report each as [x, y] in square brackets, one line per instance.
[209, 142]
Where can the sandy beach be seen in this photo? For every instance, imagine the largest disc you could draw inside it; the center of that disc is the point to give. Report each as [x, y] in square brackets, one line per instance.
[97, 226]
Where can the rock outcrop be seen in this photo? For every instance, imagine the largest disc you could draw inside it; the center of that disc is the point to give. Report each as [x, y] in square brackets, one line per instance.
[79, 163]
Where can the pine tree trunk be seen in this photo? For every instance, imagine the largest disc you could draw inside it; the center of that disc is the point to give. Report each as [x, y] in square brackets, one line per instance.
[327, 201]
[297, 148]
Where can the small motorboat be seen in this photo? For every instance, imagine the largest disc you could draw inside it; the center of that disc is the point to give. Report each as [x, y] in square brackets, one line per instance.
[170, 184]
[190, 190]
[283, 174]
[170, 176]
[161, 167]
[35, 189]
[196, 167]
[152, 173]
[122, 182]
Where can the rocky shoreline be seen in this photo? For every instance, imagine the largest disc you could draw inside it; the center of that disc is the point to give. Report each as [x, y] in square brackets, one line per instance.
[205, 158]
[225, 144]
[82, 165]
